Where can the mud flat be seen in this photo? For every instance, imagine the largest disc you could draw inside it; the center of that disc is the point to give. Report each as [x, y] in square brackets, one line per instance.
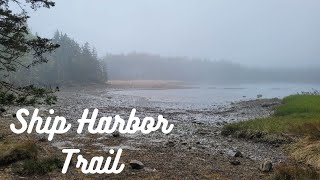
[195, 149]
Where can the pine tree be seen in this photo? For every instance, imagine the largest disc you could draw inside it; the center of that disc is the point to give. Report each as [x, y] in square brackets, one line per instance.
[16, 42]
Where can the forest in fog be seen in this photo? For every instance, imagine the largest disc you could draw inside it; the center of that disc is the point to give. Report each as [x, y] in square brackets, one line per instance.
[138, 66]
[73, 63]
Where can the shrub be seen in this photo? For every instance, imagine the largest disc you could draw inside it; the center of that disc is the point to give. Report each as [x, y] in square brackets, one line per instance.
[39, 167]
[12, 152]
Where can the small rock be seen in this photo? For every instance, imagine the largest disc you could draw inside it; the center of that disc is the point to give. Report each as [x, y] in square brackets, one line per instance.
[266, 166]
[229, 140]
[116, 134]
[197, 122]
[184, 143]
[42, 139]
[150, 170]
[2, 110]
[235, 153]
[136, 164]
[202, 132]
[266, 105]
[235, 162]
[7, 170]
[170, 143]
[8, 115]
[276, 145]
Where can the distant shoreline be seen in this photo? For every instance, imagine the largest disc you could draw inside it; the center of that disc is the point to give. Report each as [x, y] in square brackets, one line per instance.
[147, 84]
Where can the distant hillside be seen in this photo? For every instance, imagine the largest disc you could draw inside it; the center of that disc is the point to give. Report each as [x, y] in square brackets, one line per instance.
[153, 67]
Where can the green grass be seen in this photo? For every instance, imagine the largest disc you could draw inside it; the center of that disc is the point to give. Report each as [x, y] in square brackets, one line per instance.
[295, 112]
[301, 105]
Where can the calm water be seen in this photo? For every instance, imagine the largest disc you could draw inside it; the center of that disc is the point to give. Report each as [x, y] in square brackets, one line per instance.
[206, 96]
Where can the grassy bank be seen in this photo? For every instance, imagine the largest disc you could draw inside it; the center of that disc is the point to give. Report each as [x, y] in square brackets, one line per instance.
[296, 120]
[298, 115]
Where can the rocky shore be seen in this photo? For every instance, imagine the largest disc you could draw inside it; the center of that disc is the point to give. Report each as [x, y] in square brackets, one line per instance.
[195, 149]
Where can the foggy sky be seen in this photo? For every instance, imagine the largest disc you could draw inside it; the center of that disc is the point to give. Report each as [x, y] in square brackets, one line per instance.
[260, 33]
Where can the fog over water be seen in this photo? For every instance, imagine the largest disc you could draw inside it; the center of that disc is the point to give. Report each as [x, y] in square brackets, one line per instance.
[273, 33]
[209, 96]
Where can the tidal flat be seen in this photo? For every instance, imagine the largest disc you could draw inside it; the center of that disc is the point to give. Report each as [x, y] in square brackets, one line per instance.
[195, 148]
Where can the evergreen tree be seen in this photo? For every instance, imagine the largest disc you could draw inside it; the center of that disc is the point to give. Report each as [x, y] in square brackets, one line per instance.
[71, 63]
[16, 43]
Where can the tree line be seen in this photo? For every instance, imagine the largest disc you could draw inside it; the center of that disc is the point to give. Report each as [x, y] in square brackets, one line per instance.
[139, 66]
[71, 63]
